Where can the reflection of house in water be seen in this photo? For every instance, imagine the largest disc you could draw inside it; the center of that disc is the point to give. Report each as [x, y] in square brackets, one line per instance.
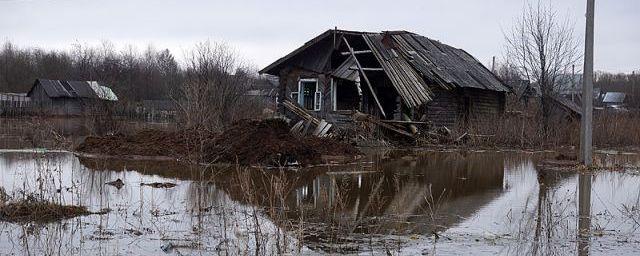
[399, 192]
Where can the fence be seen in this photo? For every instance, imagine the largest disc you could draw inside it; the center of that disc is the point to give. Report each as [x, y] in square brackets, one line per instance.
[14, 104]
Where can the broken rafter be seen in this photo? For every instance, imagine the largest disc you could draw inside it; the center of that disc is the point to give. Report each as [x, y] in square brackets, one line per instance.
[356, 52]
[367, 69]
[402, 122]
[366, 79]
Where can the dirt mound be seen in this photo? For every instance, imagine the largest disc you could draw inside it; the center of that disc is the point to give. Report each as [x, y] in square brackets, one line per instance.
[270, 142]
[146, 143]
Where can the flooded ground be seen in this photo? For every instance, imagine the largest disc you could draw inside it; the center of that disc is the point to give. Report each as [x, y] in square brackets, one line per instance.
[443, 203]
[64, 132]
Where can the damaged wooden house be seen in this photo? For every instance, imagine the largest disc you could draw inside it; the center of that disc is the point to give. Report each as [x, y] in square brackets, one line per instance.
[396, 76]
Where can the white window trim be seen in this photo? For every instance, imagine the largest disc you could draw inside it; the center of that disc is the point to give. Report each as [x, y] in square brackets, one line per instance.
[334, 96]
[301, 93]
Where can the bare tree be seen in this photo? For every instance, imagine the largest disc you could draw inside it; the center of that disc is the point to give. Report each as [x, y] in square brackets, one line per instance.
[216, 81]
[543, 49]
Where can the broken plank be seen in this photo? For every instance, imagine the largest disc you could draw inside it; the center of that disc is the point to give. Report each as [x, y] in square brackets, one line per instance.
[367, 69]
[356, 52]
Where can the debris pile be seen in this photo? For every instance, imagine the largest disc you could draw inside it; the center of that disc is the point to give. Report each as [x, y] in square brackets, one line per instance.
[270, 142]
[247, 142]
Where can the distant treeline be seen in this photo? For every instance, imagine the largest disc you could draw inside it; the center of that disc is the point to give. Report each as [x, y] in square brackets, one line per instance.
[132, 74]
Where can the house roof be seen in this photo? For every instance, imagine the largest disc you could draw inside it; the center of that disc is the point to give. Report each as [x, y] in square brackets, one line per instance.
[75, 89]
[614, 97]
[413, 63]
[346, 70]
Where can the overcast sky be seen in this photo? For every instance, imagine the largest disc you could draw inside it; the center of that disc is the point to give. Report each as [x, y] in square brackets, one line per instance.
[262, 31]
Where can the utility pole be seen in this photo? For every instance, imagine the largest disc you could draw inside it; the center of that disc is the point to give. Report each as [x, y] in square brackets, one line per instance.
[586, 143]
[586, 122]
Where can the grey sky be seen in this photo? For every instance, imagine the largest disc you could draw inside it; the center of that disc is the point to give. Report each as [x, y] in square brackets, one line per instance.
[263, 31]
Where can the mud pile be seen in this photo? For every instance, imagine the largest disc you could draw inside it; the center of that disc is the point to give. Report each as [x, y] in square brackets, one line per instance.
[146, 143]
[247, 142]
[270, 142]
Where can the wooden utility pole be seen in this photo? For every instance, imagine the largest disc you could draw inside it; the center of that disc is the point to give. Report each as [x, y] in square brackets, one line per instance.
[586, 123]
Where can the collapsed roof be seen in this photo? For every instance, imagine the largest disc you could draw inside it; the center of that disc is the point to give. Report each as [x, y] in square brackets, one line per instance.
[76, 89]
[413, 63]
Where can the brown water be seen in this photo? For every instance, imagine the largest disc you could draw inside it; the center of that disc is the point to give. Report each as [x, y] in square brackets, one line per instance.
[444, 203]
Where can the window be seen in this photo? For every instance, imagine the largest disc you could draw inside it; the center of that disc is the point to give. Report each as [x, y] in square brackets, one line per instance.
[309, 95]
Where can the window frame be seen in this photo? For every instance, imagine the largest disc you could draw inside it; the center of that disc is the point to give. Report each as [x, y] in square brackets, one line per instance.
[317, 104]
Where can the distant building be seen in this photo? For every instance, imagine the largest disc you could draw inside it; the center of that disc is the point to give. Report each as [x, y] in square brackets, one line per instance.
[70, 98]
[615, 100]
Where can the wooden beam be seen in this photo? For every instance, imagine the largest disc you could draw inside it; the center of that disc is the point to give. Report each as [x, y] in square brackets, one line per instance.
[367, 69]
[356, 52]
[402, 122]
[366, 79]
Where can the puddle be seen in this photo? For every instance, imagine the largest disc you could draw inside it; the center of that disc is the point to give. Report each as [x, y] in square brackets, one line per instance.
[444, 203]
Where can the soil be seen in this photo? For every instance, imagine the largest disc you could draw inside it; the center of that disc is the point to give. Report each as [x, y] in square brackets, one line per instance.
[247, 142]
[176, 144]
[270, 142]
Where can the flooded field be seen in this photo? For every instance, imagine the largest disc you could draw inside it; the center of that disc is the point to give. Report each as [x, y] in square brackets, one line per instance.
[63, 132]
[444, 203]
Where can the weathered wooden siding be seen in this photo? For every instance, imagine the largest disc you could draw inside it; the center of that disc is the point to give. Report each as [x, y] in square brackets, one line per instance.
[453, 108]
[43, 104]
[484, 104]
[289, 83]
[444, 109]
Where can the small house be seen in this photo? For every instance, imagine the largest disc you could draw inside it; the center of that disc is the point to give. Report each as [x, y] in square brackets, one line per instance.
[615, 100]
[394, 75]
[70, 98]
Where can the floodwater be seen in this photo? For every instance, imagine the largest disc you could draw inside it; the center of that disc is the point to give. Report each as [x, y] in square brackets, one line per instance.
[442, 203]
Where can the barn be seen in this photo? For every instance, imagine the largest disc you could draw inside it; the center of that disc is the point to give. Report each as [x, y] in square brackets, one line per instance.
[70, 98]
[394, 75]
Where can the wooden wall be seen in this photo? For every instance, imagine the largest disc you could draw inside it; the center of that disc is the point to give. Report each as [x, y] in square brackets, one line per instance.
[445, 108]
[43, 104]
[453, 108]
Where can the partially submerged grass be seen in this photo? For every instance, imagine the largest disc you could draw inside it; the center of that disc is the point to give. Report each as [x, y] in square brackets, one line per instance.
[33, 210]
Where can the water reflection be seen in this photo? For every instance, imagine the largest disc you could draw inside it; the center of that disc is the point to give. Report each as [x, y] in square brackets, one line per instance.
[430, 202]
[584, 213]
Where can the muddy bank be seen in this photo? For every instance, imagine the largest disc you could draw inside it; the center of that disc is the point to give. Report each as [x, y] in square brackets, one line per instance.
[31, 210]
[247, 142]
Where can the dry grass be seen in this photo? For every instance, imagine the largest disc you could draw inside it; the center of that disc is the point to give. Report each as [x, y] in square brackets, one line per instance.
[522, 128]
[29, 210]
[617, 129]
